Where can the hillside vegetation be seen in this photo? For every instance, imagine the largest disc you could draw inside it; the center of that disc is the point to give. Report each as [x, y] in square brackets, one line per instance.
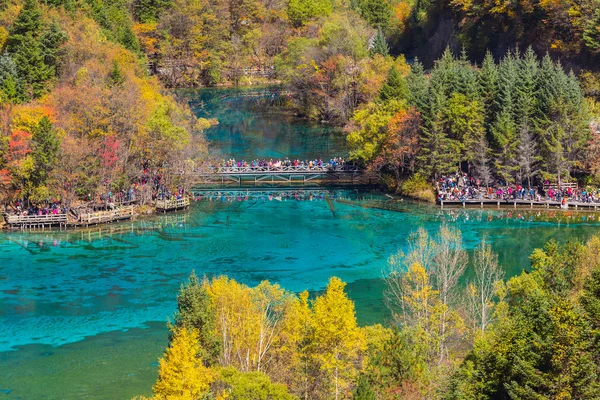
[80, 114]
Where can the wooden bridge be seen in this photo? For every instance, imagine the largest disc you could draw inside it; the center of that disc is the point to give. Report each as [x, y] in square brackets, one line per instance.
[345, 174]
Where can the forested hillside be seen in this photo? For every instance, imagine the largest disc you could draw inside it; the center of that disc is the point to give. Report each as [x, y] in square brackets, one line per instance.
[516, 114]
[80, 114]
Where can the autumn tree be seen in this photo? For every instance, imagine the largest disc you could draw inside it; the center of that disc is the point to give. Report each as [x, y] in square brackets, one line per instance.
[400, 147]
[337, 340]
[181, 373]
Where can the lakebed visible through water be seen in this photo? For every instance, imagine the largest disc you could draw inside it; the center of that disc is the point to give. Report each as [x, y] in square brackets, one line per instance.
[82, 313]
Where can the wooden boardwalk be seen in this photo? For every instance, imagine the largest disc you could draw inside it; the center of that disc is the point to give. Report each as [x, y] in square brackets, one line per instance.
[103, 217]
[36, 221]
[166, 205]
[519, 203]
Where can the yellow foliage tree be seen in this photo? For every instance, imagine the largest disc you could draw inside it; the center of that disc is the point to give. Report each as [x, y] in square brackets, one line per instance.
[337, 340]
[181, 374]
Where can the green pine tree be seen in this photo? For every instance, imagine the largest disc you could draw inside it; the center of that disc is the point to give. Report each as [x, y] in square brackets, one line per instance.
[115, 76]
[28, 23]
[363, 390]
[547, 90]
[394, 87]
[488, 89]
[380, 45]
[418, 88]
[149, 11]
[525, 94]
[196, 311]
[444, 75]
[439, 154]
[506, 142]
[32, 69]
[467, 78]
[377, 13]
[51, 41]
[45, 145]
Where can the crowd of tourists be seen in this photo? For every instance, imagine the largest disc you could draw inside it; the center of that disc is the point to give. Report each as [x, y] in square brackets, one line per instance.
[21, 208]
[167, 194]
[463, 187]
[263, 164]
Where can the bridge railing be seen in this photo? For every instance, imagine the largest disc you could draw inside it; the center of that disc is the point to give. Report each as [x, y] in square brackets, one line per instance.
[169, 204]
[284, 169]
[35, 219]
[106, 216]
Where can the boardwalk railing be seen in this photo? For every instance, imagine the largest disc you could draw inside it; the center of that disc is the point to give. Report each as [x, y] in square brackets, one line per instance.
[100, 217]
[175, 204]
[35, 221]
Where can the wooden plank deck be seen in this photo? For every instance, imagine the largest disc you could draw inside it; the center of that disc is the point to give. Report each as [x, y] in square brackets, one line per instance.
[35, 221]
[172, 205]
[518, 203]
[104, 217]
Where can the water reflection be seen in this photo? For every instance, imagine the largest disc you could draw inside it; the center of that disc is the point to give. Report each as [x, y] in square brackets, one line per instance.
[253, 124]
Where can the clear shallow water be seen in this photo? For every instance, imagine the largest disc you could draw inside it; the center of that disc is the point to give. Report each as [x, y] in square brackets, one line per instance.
[82, 314]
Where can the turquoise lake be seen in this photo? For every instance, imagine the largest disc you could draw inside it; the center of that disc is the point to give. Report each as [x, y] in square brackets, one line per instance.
[82, 313]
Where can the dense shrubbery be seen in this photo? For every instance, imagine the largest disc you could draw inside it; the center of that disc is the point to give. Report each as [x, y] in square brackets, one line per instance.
[533, 336]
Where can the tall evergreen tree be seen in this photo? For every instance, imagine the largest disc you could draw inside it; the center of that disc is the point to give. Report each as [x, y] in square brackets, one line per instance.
[28, 23]
[380, 45]
[444, 75]
[395, 86]
[418, 88]
[507, 84]
[32, 69]
[506, 141]
[51, 41]
[45, 145]
[548, 82]
[439, 153]
[116, 77]
[526, 98]
[467, 78]
[488, 88]
[376, 12]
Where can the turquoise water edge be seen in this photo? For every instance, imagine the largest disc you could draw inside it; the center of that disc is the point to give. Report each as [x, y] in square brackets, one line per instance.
[82, 313]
